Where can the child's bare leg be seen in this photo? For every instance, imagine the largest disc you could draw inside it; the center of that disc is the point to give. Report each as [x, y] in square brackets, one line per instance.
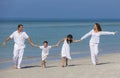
[66, 61]
[44, 64]
[63, 61]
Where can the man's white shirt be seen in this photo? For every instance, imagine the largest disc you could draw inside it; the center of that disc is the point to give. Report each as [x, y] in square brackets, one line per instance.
[19, 39]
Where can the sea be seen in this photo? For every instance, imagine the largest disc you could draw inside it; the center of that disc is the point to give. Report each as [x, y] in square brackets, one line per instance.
[53, 31]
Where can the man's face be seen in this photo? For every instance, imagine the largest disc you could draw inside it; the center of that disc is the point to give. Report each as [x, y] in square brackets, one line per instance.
[21, 28]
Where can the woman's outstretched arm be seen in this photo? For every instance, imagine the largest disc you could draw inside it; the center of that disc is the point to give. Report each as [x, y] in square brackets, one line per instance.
[86, 35]
[107, 33]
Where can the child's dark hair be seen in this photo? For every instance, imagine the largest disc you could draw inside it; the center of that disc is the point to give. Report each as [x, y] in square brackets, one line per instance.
[45, 42]
[71, 37]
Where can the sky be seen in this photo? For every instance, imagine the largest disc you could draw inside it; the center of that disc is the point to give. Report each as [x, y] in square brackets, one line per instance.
[60, 9]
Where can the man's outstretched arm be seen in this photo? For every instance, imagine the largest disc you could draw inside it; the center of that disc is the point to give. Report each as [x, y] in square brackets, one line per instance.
[30, 41]
[7, 39]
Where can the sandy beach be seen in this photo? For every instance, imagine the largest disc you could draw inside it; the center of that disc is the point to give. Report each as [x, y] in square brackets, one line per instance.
[78, 68]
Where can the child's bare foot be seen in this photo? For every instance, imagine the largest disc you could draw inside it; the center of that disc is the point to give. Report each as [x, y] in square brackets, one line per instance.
[97, 63]
[63, 66]
[43, 64]
[66, 65]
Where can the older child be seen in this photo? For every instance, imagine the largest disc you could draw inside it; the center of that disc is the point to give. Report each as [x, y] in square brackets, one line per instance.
[65, 53]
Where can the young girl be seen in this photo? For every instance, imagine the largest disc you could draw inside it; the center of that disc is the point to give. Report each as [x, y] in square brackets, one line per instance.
[94, 41]
[65, 53]
[45, 51]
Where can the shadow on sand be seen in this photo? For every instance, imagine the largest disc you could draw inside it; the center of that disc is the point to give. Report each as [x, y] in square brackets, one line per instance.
[25, 67]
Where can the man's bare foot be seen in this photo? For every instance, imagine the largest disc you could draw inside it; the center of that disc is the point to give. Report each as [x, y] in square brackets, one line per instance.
[18, 67]
[15, 67]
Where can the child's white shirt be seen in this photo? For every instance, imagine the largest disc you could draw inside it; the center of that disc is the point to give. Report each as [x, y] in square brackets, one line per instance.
[45, 51]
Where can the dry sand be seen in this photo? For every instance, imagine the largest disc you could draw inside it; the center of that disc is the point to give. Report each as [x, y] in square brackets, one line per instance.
[78, 68]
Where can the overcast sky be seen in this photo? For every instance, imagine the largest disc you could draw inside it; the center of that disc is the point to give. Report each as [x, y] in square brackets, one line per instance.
[67, 9]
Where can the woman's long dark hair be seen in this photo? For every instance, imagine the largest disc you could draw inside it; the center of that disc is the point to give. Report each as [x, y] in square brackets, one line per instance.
[71, 38]
[98, 27]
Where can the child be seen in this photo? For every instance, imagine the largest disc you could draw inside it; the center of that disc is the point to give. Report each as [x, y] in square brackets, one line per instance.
[65, 53]
[45, 51]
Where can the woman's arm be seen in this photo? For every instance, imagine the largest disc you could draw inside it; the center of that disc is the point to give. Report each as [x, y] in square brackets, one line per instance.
[107, 33]
[86, 35]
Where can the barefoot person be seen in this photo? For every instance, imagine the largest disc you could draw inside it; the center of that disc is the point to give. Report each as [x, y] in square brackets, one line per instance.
[94, 41]
[65, 53]
[19, 39]
[45, 52]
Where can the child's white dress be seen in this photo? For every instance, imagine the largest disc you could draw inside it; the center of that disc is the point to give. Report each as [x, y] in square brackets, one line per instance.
[65, 50]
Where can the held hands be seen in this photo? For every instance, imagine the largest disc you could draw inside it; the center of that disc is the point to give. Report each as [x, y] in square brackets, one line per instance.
[4, 43]
[35, 46]
[116, 32]
[56, 45]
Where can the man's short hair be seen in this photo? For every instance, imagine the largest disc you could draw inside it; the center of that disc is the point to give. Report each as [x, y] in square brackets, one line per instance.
[19, 25]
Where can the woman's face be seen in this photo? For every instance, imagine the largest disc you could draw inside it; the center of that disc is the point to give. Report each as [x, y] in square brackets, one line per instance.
[95, 27]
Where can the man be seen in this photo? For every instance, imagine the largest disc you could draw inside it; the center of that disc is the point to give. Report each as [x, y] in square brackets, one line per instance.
[19, 44]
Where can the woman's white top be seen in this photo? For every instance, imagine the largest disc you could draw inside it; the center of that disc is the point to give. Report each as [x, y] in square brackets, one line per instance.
[95, 36]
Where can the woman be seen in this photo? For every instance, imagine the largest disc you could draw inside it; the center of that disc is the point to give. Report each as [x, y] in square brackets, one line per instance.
[65, 53]
[94, 41]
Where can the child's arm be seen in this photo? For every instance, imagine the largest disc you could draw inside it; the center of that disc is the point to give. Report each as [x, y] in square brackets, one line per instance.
[53, 46]
[75, 41]
[36, 46]
[59, 42]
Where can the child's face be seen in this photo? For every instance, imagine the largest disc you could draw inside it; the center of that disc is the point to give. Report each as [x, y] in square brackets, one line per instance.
[69, 38]
[45, 44]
